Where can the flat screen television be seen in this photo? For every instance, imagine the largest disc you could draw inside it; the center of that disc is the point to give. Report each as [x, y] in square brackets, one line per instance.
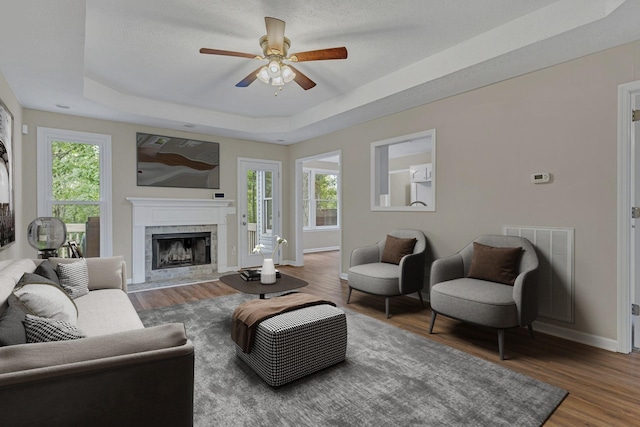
[165, 161]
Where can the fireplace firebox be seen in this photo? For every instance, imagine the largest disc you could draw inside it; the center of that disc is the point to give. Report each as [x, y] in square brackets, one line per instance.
[174, 250]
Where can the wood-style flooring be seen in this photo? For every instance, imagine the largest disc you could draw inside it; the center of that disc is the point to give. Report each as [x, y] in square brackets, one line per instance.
[604, 387]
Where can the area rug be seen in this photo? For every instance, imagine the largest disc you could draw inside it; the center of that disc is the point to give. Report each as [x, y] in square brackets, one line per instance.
[390, 377]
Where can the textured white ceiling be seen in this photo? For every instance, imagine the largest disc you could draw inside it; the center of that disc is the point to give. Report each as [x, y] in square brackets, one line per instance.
[138, 61]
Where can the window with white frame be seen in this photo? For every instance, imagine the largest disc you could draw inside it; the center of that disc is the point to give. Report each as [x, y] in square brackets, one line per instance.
[320, 198]
[74, 184]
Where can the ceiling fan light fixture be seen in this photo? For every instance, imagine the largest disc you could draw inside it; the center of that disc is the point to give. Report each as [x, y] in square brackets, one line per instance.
[287, 74]
[275, 48]
[263, 75]
[274, 68]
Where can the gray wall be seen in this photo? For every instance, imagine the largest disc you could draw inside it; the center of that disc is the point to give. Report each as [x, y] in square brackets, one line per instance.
[561, 120]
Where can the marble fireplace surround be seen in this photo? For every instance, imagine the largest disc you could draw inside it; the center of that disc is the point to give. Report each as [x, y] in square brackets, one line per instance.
[148, 212]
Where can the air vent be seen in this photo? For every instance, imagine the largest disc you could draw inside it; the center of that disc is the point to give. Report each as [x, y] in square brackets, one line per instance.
[555, 272]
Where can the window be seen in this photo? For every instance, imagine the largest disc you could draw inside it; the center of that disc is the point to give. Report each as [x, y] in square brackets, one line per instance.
[320, 198]
[74, 184]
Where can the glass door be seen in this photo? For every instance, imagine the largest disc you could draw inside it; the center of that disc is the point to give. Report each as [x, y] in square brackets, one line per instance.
[259, 210]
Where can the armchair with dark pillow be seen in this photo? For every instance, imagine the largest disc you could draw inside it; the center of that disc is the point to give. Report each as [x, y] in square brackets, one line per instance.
[393, 266]
[486, 284]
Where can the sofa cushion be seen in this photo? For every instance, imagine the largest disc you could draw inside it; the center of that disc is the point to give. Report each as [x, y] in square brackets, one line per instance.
[46, 355]
[74, 278]
[495, 264]
[11, 327]
[11, 274]
[395, 248]
[476, 301]
[46, 269]
[104, 272]
[106, 311]
[377, 278]
[41, 329]
[45, 300]
[5, 263]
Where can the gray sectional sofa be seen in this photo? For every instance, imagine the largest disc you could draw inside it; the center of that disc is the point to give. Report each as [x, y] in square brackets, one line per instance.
[120, 374]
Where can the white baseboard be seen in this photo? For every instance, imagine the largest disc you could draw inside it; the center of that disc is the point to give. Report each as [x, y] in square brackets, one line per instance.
[576, 336]
[344, 276]
[327, 249]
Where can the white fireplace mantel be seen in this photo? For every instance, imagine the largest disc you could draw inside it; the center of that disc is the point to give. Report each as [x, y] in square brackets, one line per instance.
[149, 212]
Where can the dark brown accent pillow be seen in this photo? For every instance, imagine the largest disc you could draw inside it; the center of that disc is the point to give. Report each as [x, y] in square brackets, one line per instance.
[495, 264]
[395, 248]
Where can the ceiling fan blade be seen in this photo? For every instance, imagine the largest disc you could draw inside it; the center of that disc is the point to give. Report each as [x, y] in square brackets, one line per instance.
[249, 79]
[305, 82]
[229, 53]
[319, 55]
[275, 33]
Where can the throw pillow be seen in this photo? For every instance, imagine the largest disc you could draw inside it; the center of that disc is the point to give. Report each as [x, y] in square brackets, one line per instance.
[45, 300]
[31, 278]
[41, 329]
[11, 327]
[46, 269]
[495, 264]
[74, 278]
[395, 248]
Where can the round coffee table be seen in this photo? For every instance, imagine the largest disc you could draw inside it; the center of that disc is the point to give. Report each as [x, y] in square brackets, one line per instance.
[283, 283]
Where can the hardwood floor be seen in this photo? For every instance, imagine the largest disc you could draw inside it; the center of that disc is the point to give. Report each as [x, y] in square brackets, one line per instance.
[604, 387]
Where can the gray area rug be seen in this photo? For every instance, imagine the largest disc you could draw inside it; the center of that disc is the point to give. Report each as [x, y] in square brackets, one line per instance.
[391, 377]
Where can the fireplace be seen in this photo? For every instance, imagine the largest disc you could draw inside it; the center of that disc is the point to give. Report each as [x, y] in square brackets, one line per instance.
[165, 216]
[180, 252]
[172, 250]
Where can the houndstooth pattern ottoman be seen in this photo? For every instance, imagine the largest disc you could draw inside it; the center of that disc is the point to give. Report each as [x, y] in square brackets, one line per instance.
[297, 343]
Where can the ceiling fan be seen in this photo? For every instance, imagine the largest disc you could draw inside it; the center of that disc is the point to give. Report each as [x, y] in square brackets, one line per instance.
[275, 47]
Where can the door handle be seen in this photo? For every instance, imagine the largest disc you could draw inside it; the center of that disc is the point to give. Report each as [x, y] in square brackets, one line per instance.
[244, 223]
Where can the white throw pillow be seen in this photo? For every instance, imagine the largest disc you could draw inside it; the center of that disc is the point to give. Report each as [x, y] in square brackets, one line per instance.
[40, 329]
[45, 300]
[74, 278]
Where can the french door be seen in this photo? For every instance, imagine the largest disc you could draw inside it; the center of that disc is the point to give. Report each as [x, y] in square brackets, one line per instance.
[259, 208]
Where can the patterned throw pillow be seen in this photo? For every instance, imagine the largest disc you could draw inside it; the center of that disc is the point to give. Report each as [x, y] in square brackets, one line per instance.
[74, 278]
[41, 329]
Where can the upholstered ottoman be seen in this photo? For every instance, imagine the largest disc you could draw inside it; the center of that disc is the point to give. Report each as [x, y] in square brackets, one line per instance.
[297, 343]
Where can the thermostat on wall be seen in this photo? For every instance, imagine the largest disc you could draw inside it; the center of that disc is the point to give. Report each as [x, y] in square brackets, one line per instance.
[540, 177]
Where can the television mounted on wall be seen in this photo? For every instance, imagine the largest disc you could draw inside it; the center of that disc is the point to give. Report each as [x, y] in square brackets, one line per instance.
[166, 161]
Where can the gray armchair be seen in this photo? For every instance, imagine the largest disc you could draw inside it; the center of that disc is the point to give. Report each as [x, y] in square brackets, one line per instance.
[368, 273]
[485, 302]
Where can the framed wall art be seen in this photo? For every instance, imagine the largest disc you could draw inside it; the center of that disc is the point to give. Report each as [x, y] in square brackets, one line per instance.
[7, 202]
[165, 161]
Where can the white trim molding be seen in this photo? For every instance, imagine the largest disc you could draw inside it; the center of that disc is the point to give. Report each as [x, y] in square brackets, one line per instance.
[625, 177]
[576, 336]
